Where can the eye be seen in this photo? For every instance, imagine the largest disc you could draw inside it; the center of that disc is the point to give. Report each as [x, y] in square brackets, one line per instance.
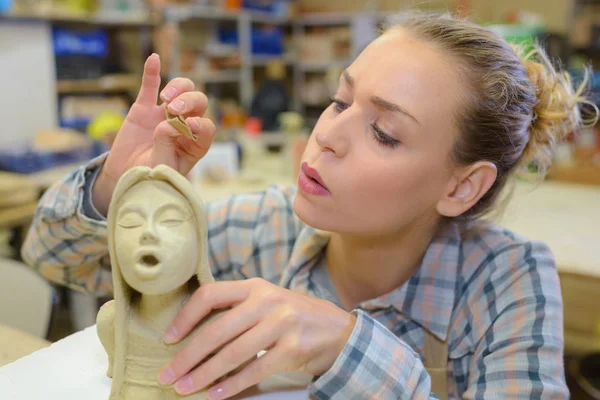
[131, 220]
[340, 106]
[171, 218]
[383, 138]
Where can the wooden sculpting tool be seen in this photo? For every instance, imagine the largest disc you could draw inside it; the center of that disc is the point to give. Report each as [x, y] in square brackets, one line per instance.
[179, 123]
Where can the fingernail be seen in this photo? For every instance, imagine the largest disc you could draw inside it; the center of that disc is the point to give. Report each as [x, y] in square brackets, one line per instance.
[172, 335]
[216, 393]
[167, 376]
[177, 105]
[184, 385]
[168, 93]
[195, 122]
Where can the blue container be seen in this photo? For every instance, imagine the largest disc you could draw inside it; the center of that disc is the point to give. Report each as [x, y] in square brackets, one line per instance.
[27, 160]
[259, 5]
[68, 42]
[268, 40]
[5, 6]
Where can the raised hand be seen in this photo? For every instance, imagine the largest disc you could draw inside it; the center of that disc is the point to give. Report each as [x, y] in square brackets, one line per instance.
[146, 138]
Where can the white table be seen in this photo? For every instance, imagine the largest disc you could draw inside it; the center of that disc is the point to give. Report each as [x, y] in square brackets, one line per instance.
[75, 368]
[564, 216]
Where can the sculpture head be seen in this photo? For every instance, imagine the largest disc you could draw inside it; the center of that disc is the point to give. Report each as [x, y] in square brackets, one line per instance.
[157, 232]
[156, 238]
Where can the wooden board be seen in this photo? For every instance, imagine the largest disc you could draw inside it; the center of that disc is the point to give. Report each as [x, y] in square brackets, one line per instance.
[18, 215]
[587, 175]
[15, 190]
[581, 296]
[15, 344]
[106, 84]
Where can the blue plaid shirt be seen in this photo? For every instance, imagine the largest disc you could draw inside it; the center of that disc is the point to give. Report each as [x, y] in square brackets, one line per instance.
[493, 296]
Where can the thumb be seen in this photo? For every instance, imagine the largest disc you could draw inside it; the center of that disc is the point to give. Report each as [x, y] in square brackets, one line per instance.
[148, 94]
[164, 145]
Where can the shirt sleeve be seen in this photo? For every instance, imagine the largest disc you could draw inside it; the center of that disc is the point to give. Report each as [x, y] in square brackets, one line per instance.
[252, 235]
[66, 245]
[249, 235]
[517, 327]
[374, 364]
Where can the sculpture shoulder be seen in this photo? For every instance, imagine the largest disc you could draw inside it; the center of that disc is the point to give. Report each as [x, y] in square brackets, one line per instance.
[106, 315]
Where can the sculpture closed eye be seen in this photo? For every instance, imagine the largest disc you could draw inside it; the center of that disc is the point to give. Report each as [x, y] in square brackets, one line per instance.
[131, 220]
[171, 218]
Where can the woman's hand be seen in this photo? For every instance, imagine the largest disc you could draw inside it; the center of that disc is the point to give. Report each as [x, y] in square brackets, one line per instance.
[146, 138]
[300, 333]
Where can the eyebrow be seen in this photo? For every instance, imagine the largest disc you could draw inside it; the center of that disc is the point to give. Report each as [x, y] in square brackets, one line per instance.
[389, 106]
[349, 79]
[379, 102]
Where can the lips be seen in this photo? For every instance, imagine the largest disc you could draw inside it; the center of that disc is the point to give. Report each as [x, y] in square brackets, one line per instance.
[313, 174]
[310, 182]
[148, 264]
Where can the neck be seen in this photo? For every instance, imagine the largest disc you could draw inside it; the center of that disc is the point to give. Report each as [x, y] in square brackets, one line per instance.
[158, 310]
[364, 268]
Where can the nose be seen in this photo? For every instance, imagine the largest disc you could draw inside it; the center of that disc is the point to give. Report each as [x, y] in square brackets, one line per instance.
[149, 237]
[334, 136]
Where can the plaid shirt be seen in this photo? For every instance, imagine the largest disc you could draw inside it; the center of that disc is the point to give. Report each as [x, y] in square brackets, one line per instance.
[492, 295]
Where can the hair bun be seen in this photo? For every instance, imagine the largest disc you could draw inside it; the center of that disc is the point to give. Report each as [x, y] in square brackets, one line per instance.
[557, 113]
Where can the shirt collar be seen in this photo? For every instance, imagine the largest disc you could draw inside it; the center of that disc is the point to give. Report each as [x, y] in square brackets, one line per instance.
[426, 298]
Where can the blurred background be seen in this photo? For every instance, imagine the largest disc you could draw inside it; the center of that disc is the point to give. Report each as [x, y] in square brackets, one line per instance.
[70, 69]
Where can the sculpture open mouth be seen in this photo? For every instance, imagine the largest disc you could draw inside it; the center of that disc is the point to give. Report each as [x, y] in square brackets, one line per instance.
[148, 265]
[149, 261]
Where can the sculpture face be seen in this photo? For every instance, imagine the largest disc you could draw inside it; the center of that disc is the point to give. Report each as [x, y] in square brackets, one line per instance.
[156, 241]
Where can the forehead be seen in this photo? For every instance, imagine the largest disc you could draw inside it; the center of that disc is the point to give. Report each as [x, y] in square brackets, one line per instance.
[153, 194]
[410, 72]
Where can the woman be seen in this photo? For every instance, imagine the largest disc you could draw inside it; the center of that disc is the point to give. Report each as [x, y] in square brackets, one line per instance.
[376, 275]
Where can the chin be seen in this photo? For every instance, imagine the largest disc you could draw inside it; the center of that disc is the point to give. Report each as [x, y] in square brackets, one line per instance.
[155, 287]
[314, 214]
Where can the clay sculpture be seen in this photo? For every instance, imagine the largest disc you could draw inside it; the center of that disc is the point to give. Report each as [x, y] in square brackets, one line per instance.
[157, 238]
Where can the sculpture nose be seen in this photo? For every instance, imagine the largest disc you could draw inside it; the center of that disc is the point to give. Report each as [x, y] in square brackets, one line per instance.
[148, 237]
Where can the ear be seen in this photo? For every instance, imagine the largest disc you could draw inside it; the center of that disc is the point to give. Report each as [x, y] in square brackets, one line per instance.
[466, 188]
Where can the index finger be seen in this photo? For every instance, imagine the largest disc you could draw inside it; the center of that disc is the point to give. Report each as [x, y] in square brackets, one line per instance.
[208, 297]
[148, 94]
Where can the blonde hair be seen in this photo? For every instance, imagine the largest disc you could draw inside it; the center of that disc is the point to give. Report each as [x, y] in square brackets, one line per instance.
[518, 107]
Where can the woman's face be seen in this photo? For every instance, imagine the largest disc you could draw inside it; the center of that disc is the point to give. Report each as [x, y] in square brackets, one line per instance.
[156, 241]
[382, 147]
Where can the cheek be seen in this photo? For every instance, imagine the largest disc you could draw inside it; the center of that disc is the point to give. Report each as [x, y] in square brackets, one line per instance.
[181, 246]
[126, 244]
[408, 184]
[402, 175]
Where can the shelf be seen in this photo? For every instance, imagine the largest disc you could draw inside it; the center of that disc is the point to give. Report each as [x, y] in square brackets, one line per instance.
[325, 19]
[106, 84]
[266, 18]
[263, 60]
[324, 66]
[177, 13]
[115, 19]
[185, 12]
[217, 77]
[229, 51]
